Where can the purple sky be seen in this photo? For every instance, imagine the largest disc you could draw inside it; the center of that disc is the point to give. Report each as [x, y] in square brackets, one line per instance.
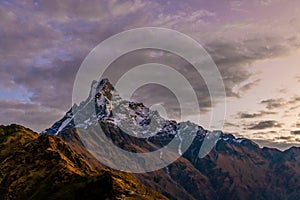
[255, 44]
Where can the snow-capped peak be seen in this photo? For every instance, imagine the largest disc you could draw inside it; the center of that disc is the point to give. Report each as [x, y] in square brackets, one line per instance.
[105, 105]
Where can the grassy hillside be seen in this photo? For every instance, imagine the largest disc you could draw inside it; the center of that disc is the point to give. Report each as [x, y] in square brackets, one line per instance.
[36, 166]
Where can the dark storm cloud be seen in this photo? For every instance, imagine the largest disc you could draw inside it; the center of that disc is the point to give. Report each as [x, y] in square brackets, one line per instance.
[264, 125]
[254, 115]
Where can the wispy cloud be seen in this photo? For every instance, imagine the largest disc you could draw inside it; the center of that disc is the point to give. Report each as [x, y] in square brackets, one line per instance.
[295, 132]
[247, 115]
[294, 100]
[273, 103]
[264, 125]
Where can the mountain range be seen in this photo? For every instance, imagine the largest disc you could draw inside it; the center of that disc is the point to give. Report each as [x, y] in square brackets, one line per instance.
[59, 164]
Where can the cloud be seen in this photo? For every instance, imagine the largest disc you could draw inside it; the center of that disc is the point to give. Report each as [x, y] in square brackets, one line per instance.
[44, 42]
[153, 93]
[294, 100]
[228, 124]
[294, 107]
[297, 132]
[264, 125]
[254, 115]
[194, 18]
[235, 4]
[283, 138]
[91, 11]
[248, 85]
[233, 58]
[23, 37]
[265, 2]
[47, 86]
[278, 136]
[244, 86]
[32, 115]
[273, 103]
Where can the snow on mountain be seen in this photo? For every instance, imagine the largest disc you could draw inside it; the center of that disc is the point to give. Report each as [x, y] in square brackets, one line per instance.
[105, 105]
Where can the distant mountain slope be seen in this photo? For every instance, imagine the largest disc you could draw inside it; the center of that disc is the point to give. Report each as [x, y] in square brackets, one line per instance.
[232, 170]
[36, 166]
[236, 168]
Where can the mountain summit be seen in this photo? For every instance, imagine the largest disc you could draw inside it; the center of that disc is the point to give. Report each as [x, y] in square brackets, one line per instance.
[235, 168]
[105, 106]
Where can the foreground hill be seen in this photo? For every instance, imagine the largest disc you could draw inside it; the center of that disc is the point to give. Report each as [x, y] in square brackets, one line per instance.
[36, 166]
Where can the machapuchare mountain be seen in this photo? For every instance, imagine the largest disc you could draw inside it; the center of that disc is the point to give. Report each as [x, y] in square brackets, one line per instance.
[56, 163]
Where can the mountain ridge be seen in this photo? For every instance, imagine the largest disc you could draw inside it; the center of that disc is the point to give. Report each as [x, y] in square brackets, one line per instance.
[233, 168]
